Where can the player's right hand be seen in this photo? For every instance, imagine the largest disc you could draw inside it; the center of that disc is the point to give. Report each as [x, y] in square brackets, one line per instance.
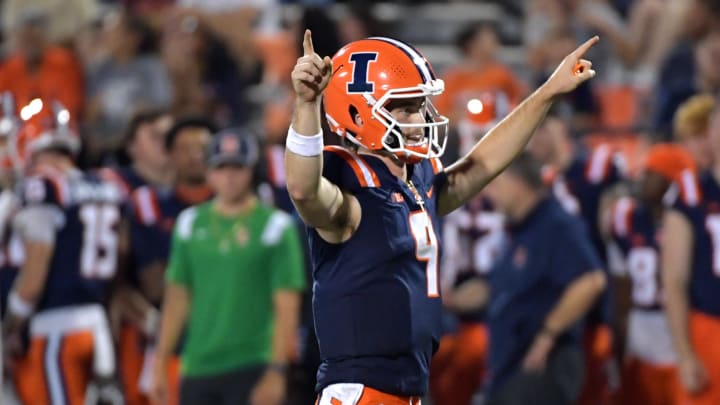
[311, 73]
[692, 374]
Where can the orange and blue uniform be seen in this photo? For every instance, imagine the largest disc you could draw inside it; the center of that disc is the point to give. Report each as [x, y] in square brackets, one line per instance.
[699, 203]
[154, 212]
[472, 237]
[649, 374]
[376, 296]
[69, 332]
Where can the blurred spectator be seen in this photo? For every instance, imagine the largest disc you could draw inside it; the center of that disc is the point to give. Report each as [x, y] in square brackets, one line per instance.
[37, 69]
[241, 320]
[324, 29]
[358, 22]
[231, 21]
[68, 16]
[205, 77]
[480, 71]
[691, 128]
[155, 211]
[145, 147]
[689, 68]
[540, 290]
[131, 78]
[643, 38]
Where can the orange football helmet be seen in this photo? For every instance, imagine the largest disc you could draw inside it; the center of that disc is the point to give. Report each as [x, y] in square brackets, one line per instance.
[45, 127]
[370, 73]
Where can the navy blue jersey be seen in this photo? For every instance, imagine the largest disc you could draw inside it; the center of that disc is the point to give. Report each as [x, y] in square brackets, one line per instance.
[125, 177]
[472, 239]
[85, 254]
[154, 212]
[699, 202]
[376, 297]
[543, 255]
[579, 189]
[636, 235]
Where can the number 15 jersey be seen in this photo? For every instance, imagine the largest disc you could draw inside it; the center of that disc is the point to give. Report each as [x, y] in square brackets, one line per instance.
[83, 213]
[376, 296]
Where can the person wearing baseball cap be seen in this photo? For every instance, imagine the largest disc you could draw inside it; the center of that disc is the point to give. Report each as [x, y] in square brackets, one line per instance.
[242, 264]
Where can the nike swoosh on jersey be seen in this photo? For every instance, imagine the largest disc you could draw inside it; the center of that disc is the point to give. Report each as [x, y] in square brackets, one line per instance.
[429, 193]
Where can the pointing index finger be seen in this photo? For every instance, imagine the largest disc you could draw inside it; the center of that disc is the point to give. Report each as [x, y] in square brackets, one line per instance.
[307, 43]
[582, 49]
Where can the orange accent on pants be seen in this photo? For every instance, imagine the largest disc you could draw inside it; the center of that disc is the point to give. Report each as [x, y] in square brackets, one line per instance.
[173, 373]
[648, 384]
[704, 332]
[457, 369]
[132, 355]
[598, 351]
[374, 397]
[67, 372]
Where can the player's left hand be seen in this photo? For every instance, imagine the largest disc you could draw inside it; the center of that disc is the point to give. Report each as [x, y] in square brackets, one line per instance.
[572, 71]
[269, 390]
[536, 358]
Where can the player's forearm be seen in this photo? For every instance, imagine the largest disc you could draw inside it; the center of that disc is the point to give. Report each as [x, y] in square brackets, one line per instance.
[676, 305]
[494, 151]
[287, 318]
[576, 301]
[174, 314]
[304, 172]
[503, 143]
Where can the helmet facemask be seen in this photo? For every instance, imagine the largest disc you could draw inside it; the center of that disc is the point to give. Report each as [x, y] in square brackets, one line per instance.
[435, 127]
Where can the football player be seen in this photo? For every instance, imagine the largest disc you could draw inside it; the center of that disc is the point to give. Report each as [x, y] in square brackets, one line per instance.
[579, 179]
[155, 210]
[373, 206]
[130, 311]
[473, 236]
[634, 225]
[68, 227]
[691, 278]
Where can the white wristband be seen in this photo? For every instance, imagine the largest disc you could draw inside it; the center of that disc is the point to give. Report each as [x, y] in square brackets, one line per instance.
[304, 145]
[18, 306]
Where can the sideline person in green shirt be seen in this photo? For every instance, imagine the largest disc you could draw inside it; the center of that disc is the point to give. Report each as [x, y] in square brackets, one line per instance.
[234, 280]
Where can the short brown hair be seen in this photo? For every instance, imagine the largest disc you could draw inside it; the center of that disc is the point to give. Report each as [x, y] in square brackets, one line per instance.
[691, 118]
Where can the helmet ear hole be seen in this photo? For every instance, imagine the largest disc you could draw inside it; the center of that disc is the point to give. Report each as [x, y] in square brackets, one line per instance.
[355, 115]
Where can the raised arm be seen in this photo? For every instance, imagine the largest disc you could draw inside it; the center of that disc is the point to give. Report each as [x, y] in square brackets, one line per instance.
[321, 204]
[498, 148]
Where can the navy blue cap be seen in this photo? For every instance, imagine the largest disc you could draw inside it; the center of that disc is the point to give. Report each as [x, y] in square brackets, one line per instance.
[233, 146]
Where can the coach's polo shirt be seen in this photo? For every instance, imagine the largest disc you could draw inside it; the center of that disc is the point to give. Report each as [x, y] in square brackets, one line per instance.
[544, 253]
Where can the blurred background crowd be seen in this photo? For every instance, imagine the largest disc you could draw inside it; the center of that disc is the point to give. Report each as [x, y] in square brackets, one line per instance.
[129, 71]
